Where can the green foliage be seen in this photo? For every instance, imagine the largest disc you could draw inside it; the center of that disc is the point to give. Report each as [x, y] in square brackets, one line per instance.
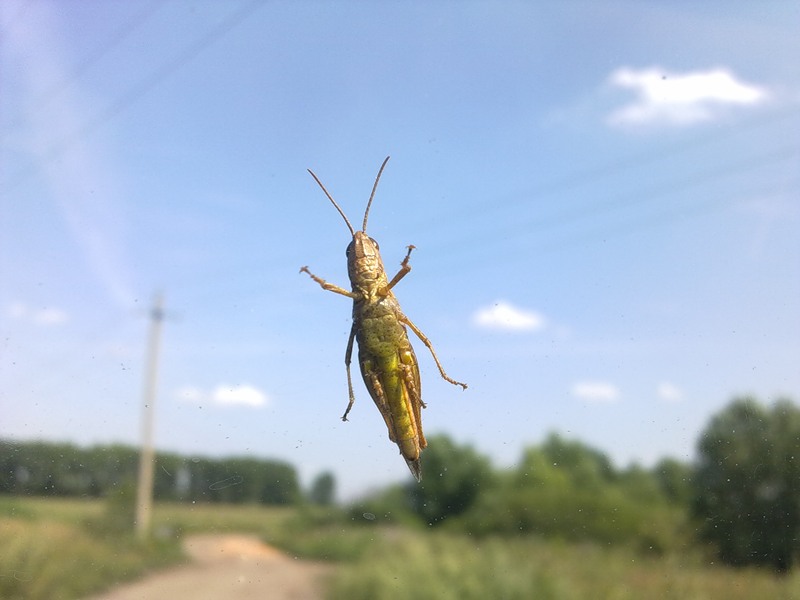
[452, 480]
[639, 485]
[323, 489]
[562, 489]
[62, 549]
[119, 516]
[46, 554]
[183, 518]
[389, 506]
[435, 566]
[323, 533]
[584, 464]
[239, 480]
[444, 568]
[675, 480]
[52, 560]
[747, 484]
[45, 469]
[566, 490]
[573, 513]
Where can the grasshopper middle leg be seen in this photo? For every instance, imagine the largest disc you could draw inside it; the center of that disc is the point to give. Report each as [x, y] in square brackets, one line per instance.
[348, 355]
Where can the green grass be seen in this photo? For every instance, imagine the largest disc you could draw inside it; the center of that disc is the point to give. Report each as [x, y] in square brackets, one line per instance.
[58, 550]
[323, 534]
[450, 567]
[54, 560]
[62, 549]
[63, 510]
[192, 518]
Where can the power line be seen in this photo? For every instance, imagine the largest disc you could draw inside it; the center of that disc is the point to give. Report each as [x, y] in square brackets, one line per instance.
[117, 36]
[489, 240]
[582, 177]
[136, 91]
[646, 196]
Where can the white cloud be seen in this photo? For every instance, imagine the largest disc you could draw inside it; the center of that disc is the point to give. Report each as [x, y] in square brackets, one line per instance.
[45, 317]
[247, 395]
[50, 316]
[225, 395]
[502, 315]
[680, 98]
[596, 391]
[669, 392]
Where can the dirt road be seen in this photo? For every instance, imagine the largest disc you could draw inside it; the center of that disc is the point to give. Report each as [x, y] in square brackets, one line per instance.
[230, 567]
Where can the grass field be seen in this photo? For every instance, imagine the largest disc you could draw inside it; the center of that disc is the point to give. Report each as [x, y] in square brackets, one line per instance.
[48, 552]
[64, 549]
[447, 567]
[56, 549]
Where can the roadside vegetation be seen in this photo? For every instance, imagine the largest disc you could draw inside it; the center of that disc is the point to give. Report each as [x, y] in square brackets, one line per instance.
[563, 523]
[446, 566]
[53, 550]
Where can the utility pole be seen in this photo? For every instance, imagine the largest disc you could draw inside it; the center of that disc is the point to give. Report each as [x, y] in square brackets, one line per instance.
[144, 488]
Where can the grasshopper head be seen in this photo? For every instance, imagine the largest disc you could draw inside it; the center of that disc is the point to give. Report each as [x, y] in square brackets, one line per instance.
[364, 262]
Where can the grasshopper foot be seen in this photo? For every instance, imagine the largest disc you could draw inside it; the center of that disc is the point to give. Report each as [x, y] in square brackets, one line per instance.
[454, 382]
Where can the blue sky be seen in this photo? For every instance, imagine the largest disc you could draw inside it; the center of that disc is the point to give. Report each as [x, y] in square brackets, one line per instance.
[603, 197]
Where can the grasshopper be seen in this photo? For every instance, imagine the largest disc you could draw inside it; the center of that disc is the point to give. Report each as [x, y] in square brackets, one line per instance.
[388, 363]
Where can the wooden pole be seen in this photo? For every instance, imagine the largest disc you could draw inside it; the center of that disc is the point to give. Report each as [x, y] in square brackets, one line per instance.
[144, 489]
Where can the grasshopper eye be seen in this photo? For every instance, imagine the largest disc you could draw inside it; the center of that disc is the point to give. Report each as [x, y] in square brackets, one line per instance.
[377, 246]
[349, 250]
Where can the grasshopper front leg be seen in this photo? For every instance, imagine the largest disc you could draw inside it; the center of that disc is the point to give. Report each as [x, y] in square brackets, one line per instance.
[327, 286]
[405, 269]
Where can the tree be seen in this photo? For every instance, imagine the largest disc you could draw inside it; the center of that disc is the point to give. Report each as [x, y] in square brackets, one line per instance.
[323, 489]
[568, 490]
[746, 484]
[451, 481]
[585, 465]
[674, 478]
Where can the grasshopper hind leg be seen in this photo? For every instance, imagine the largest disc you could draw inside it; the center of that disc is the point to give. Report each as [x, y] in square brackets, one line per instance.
[424, 339]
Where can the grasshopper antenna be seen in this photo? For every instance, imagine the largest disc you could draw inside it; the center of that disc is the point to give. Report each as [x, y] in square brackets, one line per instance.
[341, 212]
[372, 195]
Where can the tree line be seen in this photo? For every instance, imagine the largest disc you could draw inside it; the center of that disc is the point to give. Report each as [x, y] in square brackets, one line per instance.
[48, 469]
